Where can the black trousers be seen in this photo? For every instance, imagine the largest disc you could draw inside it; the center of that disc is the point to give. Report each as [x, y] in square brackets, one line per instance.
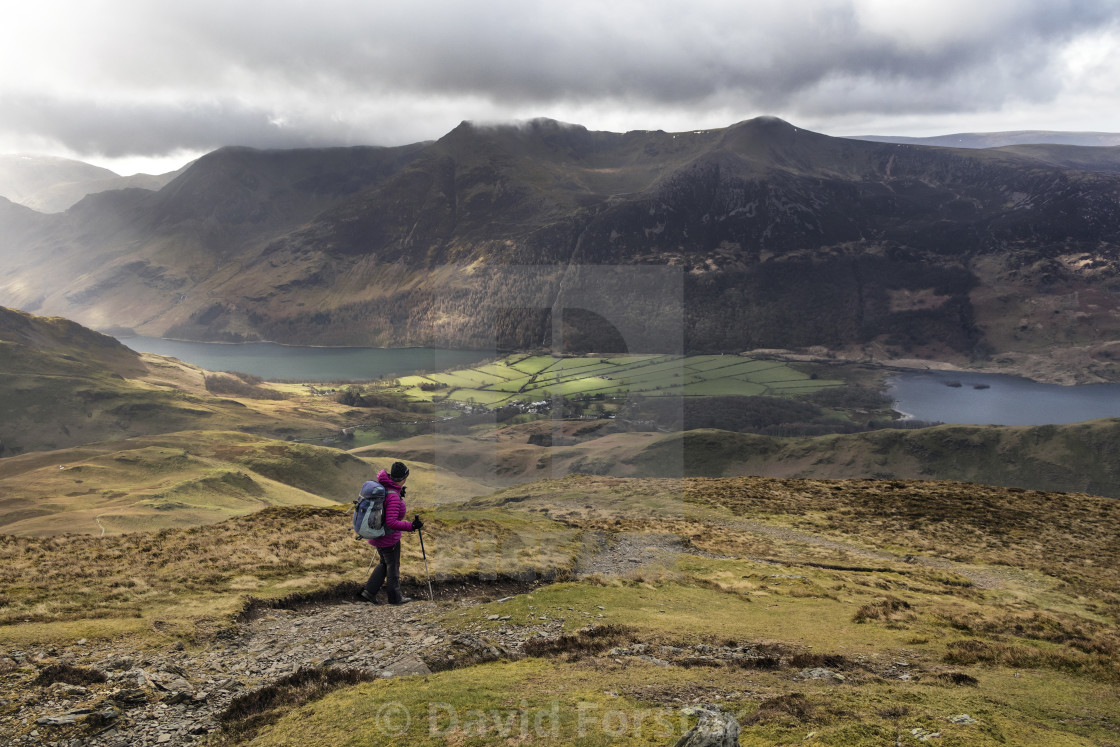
[387, 573]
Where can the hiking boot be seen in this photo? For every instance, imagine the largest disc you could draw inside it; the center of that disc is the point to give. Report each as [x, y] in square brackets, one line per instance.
[371, 598]
[400, 600]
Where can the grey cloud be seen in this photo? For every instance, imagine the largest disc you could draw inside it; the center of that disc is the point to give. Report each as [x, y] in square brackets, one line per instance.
[118, 129]
[334, 69]
[660, 53]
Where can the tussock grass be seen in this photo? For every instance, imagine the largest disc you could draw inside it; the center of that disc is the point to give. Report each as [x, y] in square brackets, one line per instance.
[248, 713]
[957, 678]
[190, 583]
[791, 706]
[812, 661]
[68, 674]
[1025, 656]
[582, 643]
[888, 608]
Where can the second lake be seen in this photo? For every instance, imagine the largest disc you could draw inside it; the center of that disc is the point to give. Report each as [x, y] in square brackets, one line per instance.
[996, 399]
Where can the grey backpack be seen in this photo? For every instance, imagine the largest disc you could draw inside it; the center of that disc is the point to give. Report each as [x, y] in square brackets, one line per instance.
[369, 511]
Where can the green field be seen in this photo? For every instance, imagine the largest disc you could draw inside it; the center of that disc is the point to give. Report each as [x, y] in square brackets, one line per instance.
[519, 378]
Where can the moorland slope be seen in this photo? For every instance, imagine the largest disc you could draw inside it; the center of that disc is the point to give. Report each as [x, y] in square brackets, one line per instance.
[857, 612]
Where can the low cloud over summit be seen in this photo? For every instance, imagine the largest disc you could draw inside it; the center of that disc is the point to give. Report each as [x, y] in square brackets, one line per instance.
[135, 78]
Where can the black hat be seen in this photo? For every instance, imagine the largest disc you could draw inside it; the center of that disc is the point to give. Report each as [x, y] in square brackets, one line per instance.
[398, 471]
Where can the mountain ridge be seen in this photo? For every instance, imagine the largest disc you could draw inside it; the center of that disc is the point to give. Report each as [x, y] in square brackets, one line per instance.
[757, 220]
[1001, 139]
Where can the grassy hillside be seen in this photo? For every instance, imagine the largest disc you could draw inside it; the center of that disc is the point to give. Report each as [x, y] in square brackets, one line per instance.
[176, 480]
[190, 583]
[186, 479]
[62, 385]
[833, 612]
[97, 439]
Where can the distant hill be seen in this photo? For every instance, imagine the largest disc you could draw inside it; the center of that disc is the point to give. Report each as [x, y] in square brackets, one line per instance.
[21, 176]
[60, 197]
[1001, 139]
[1080, 457]
[63, 385]
[49, 184]
[759, 235]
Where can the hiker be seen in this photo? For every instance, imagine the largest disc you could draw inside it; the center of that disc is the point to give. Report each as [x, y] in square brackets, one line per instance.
[388, 571]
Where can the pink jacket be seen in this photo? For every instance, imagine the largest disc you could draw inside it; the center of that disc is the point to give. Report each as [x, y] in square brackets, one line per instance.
[394, 513]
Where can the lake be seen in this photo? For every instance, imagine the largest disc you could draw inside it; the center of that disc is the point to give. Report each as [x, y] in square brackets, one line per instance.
[981, 399]
[996, 399]
[291, 362]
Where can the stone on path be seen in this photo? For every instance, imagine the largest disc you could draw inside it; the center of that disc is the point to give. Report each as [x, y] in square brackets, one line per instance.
[407, 666]
[715, 729]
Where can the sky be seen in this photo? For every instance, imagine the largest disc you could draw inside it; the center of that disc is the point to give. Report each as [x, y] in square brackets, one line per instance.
[147, 85]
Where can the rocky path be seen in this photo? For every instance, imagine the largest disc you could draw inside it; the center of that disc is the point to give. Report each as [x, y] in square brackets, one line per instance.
[175, 697]
[983, 578]
[626, 552]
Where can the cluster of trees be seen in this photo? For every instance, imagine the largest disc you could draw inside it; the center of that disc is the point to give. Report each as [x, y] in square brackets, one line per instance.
[356, 396]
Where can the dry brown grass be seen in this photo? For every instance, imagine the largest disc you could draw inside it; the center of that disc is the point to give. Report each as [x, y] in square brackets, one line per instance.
[69, 674]
[582, 643]
[1022, 656]
[248, 713]
[272, 553]
[790, 707]
[886, 609]
[1034, 639]
[1070, 536]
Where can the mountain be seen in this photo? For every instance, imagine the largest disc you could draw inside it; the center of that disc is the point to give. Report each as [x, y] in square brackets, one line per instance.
[49, 184]
[60, 197]
[1078, 157]
[759, 235]
[1000, 139]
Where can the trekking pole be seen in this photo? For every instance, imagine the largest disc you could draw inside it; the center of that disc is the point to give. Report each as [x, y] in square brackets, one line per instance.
[420, 533]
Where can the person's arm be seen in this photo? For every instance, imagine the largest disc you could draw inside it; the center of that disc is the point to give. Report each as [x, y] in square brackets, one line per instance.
[394, 507]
